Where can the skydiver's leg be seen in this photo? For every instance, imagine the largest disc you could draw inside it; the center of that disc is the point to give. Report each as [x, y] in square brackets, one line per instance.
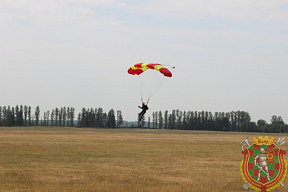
[140, 116]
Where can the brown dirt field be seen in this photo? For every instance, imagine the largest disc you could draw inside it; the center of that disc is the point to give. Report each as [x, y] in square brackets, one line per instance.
[125, 160]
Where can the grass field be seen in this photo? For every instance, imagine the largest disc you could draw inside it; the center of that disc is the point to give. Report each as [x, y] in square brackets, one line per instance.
[132, 160]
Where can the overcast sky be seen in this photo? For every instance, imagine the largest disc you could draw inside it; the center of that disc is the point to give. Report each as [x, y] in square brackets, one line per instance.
[229, 55]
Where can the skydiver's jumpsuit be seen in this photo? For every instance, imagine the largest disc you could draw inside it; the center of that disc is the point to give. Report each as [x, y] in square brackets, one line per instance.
[144, 109]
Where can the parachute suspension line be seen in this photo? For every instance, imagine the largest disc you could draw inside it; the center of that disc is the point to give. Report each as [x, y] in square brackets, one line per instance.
[149, 83]
[156, 81]
[144, 101]
[169, 66]
[158, 85]
[144, 84]
[138, 84]
[152, 81]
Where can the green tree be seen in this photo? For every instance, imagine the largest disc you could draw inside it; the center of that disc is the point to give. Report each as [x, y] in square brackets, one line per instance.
[119, 118]
[83, 122]
[160, 120]
[72, 116]
[166, 119]
[37, 115]
[20, 116]
[173, 119]
[104, 119]
[17, 115]
[8, 120]
[191, 120]
[156, 120]
[61, 116]
[52, 118]
[25, 115]
[179, 115]
[13, 116]
[47, 116]
[148, 126]
[29, 116]
[143, 122]
[79, 121]
[100, 119]
[57, 116]
[277, 124]
[170, 122]
[4, 116]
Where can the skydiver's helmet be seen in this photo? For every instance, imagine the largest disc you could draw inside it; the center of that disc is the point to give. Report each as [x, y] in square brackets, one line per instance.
[143, 103]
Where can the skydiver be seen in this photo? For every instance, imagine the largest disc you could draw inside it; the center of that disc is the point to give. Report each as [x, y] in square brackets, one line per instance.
[144, 109]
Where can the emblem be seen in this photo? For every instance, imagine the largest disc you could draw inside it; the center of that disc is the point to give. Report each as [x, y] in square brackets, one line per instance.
[263, 167]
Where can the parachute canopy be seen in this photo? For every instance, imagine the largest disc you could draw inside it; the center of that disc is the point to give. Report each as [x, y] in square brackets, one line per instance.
[149, 81]
[139, 68]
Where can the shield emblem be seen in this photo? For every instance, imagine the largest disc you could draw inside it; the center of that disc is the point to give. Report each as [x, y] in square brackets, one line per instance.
[263, 167]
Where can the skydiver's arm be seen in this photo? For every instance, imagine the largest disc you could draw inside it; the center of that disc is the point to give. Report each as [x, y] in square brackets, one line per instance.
[140, 107]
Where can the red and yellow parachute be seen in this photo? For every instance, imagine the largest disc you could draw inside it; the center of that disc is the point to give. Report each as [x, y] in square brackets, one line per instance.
[150, 77]
[139, 68]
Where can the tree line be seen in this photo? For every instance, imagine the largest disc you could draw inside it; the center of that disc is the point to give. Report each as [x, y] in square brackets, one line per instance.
[239, 121]
[59, 117]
